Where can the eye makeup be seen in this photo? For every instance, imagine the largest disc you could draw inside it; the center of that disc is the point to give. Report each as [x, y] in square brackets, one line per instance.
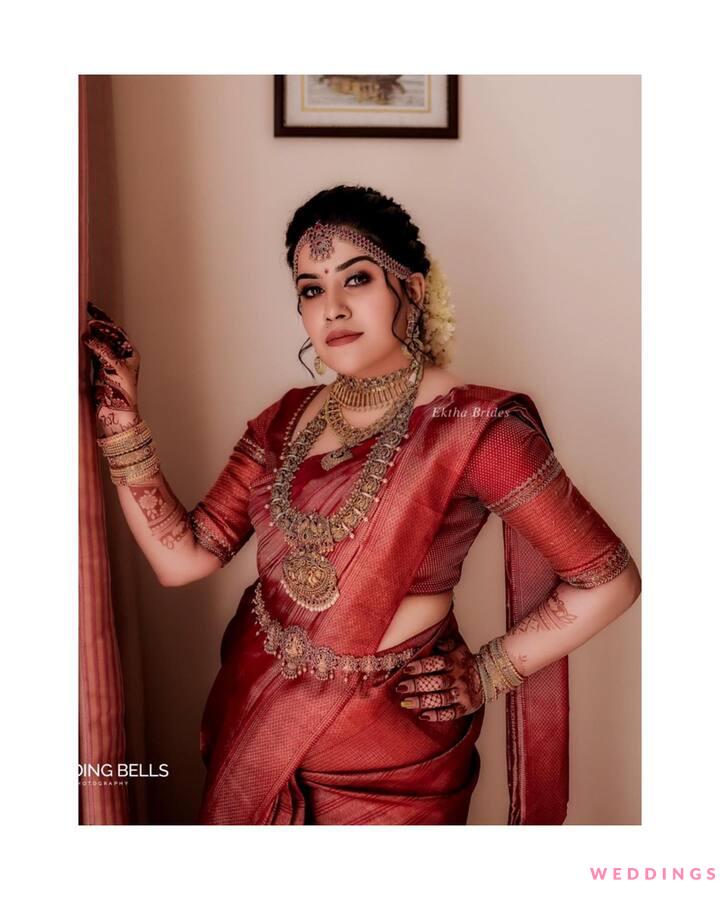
[360, 274]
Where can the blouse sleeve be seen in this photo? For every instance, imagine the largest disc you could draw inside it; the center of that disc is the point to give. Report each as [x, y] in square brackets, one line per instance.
[221, 521]
[515, 474]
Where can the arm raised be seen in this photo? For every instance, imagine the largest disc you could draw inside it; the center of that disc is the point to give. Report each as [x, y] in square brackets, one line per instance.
[184, 546]
[180, 546]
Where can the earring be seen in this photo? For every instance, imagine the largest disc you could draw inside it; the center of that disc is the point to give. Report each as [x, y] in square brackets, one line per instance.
[320, 366]
[410, 333]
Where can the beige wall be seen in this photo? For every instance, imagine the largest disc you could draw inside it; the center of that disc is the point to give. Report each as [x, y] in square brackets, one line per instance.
[534, 214]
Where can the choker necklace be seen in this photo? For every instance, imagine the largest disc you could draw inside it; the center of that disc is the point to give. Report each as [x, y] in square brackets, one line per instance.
[369, 393]
[350, 435]
[308, 577]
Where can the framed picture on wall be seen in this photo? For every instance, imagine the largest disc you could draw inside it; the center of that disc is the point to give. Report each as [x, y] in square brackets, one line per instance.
[409, 106]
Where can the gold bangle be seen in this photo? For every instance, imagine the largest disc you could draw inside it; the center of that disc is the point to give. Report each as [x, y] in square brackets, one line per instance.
[481, 673]
[494, 672]
[133, 430]
[121, 451]
[119, 467]
[497, 673]
[488, 688]
[124, 440]
[131, 474]
[136, 477]
[504, 663]
[132, 456]
[128, 470]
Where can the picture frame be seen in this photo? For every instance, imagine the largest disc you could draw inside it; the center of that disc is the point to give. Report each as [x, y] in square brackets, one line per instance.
[380, 106]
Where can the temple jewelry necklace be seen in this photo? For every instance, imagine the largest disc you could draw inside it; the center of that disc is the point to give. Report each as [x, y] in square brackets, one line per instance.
[351, 435]
[369, 393]
[308, 577]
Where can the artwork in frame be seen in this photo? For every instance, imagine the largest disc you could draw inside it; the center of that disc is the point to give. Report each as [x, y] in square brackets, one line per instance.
[410, 106]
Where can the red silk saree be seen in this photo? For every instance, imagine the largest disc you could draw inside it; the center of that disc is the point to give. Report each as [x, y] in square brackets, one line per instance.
[310, 751]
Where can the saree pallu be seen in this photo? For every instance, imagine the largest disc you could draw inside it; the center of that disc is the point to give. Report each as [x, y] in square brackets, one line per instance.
[282, 751]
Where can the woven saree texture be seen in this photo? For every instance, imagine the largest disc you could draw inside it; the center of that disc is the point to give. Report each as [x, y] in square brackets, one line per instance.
[221, 521]
[304, 751]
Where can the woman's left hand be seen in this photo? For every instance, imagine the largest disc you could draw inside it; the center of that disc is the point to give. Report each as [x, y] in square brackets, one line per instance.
[444, 686]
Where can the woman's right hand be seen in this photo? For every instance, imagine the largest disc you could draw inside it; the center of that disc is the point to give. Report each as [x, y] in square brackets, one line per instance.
[116, 367]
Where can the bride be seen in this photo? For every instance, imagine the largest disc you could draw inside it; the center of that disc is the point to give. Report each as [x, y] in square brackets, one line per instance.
[347, 694]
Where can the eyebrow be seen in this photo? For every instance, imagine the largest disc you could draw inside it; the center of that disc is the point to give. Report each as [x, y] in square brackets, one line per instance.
[339, 268]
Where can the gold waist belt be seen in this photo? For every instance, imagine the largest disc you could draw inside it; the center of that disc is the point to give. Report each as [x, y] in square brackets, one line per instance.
[297, 652]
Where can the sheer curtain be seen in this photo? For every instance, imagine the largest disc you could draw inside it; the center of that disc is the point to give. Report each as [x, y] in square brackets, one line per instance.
[101, 699]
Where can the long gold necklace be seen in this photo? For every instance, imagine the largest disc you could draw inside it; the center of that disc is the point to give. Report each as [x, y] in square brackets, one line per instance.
[308, 577]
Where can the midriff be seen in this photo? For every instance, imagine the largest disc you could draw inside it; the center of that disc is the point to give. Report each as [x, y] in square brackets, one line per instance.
[414, 614]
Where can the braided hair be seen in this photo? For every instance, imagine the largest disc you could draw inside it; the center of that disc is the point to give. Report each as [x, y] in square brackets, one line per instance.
[379, 218]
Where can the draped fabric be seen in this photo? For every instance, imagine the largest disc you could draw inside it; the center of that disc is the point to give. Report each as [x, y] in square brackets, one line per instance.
[101, 701]
[305, 751]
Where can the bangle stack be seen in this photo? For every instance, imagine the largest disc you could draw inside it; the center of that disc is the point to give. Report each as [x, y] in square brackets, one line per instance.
[131, 454]
[497, 673]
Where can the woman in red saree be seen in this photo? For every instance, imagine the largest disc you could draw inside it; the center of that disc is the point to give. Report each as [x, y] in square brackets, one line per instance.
[347, 694]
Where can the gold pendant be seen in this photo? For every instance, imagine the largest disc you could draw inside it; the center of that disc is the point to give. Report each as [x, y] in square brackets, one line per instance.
[335, 457]
[310, 579]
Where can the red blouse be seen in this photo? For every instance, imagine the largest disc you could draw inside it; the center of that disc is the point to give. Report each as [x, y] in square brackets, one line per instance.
[513, 473]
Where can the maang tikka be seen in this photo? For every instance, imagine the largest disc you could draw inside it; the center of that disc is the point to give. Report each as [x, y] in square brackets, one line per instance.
[320, 237]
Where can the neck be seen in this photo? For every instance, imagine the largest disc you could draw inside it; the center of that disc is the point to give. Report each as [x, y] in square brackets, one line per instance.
[377, 370]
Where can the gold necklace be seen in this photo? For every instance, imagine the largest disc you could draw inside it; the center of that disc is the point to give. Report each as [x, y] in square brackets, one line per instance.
[356, 434]
[364, 393]
[350, 435]
[369, 393]
[308, 577]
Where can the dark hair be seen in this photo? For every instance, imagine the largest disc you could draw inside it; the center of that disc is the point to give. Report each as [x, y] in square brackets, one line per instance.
[380, 219]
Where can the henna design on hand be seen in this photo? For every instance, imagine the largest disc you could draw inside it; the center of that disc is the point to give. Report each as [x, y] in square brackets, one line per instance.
[444, 715]
[109, 394]
[469, 678]
[457, 673]
[163, 512]
[115, 364]
[549, 615]
[112, 423]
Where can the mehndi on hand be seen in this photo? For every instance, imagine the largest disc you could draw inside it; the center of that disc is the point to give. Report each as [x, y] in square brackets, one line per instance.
[116, 366]
[445, 685]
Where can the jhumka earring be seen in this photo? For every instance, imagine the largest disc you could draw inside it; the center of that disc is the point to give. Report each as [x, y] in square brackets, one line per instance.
[320, 366]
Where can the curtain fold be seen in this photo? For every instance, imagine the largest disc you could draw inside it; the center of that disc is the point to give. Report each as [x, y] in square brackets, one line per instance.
[101, 698]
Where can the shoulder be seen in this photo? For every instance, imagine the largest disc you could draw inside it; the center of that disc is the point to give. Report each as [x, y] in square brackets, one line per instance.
[290, 397]
[436, 382]
[511, 447]
[279, 411]
[502, 416]
[497, 402]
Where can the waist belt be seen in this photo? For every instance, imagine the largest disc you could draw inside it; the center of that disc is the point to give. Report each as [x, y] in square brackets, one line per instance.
[297, 653]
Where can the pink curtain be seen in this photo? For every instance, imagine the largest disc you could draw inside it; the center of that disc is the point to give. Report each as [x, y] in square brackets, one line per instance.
[102, 705]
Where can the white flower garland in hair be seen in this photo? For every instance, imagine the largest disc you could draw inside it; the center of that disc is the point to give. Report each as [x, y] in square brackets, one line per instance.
[438, 315]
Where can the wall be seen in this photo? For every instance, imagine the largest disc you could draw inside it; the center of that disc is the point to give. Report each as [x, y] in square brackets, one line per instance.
[534, 214]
